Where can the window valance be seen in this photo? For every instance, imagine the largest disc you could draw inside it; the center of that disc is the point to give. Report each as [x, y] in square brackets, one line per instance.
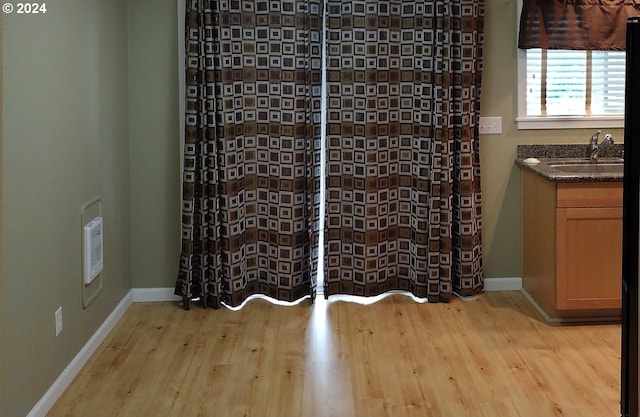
[575, 24]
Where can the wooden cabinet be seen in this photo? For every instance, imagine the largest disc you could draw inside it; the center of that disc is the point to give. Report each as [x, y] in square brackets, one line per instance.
[589, 260]
[572, 248]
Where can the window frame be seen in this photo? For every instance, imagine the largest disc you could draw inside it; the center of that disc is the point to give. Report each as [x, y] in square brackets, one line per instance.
[524, 122]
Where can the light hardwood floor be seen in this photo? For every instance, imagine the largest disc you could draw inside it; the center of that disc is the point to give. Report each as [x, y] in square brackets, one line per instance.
[489, 356]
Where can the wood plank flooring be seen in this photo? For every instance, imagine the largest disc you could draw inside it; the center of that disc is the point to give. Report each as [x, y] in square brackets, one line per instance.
[489, 356]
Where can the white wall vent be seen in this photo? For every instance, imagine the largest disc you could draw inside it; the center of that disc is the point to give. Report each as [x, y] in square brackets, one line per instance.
[92, 248]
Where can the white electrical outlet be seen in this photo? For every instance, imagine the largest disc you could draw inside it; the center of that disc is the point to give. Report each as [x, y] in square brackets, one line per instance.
[490, 125]
[58, 320]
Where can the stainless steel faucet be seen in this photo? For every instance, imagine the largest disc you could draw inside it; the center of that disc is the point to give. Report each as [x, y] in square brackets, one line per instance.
[595, 148]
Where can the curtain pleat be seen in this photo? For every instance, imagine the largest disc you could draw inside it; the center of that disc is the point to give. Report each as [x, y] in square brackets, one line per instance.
[251, 155]
[403, 201]
[575, 24]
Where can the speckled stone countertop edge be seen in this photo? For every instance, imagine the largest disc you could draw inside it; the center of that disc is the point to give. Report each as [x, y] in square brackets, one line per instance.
[566, 151]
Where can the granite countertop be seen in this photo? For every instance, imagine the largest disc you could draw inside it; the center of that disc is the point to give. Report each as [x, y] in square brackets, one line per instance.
[551, 157]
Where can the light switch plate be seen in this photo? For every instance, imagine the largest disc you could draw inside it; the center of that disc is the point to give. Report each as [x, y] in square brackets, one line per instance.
[490, 125]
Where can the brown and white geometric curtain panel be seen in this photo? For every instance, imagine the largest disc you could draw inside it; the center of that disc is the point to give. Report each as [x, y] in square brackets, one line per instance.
[403, 170]
[252, 150]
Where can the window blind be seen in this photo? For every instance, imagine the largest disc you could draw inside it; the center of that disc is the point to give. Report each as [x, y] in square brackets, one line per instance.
[575, 83]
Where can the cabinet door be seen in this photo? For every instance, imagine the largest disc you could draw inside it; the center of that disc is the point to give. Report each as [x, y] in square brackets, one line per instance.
[589, 258]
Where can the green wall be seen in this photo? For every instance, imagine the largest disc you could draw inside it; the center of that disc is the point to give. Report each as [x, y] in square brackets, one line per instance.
[154, 142]
[65, 141]
[502, 232]
[90, 109]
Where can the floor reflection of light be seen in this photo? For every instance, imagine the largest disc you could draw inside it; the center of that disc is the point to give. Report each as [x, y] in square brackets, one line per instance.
[324, 378]
[319, 334]
[267, 298]
[365, 301]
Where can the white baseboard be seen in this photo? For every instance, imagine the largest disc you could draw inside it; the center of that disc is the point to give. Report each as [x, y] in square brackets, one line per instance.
[71, 371]
[143, 295]
[503, 284]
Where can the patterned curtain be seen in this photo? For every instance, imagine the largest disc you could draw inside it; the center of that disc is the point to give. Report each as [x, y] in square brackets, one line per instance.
[251, 154]
[403, 169]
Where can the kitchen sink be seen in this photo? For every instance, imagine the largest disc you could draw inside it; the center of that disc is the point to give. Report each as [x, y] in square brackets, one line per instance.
[588, 168]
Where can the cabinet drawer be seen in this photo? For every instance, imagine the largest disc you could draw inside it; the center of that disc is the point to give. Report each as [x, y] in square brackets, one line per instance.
[602, 194]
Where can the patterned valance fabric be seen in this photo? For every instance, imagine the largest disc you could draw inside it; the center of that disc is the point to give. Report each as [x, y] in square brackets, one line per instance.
[251, 158]
[403, 169]
[575, 24]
